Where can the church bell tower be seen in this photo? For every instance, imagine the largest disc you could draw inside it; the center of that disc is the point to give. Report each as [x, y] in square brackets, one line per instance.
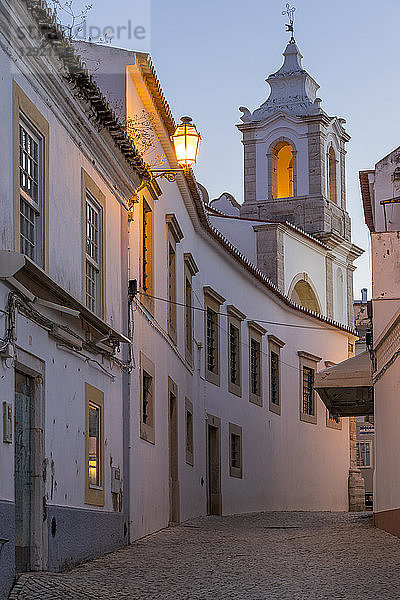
[294, 155]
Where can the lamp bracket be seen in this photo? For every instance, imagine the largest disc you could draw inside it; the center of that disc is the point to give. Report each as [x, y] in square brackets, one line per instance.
[168, 174]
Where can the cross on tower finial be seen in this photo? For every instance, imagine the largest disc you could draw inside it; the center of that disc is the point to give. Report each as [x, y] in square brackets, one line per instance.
[290, 26]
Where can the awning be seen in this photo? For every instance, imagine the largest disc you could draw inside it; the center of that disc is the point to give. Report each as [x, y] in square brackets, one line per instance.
[346, 389]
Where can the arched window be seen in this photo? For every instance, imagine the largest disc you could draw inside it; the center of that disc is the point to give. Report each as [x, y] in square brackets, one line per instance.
[282, 170]
[304, 295]
[332, 175]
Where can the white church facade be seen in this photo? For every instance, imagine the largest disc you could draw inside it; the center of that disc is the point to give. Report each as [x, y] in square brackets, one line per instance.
[192, 393]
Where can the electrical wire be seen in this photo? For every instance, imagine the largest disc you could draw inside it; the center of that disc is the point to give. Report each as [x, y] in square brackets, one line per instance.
[202, 309]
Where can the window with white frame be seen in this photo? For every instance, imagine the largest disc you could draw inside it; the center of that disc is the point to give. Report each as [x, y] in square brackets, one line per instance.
[363, 454]
[93, 269]
[30, 187]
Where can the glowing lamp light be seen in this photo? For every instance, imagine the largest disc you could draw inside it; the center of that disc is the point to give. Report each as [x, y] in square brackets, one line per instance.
[186, 140]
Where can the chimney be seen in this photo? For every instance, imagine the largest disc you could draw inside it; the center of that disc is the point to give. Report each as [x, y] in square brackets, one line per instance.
[364, 293]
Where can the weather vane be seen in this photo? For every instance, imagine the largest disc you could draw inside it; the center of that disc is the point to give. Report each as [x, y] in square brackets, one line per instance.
[290, 26]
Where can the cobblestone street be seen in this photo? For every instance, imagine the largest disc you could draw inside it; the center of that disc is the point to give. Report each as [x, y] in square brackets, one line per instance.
[267, 556]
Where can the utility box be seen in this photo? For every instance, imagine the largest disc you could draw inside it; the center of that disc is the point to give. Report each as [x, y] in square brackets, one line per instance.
[7, 423]
[115, 480]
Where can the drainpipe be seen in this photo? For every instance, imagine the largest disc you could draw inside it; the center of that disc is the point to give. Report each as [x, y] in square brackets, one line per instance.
[126, 379]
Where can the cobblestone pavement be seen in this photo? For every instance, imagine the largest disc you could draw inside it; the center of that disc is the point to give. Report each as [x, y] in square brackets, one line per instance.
[263, 556]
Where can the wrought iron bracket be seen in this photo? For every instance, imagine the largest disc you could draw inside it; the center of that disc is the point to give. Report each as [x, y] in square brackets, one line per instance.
[168, 174]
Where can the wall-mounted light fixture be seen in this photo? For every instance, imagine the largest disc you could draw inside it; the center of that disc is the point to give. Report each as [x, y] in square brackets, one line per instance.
[186, 140]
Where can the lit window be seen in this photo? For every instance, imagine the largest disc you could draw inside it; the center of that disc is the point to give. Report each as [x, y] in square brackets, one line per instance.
[94, 492]
[363, 454]
[282, 170]
[94, 445]
[93, 254]
[30, 185]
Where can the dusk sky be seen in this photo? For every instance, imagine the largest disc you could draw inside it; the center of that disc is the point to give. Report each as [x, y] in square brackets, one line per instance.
[212, 57]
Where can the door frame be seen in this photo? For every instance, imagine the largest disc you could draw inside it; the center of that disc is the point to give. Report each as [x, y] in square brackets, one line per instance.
[33, 367]
[214, 507]
[173, 455]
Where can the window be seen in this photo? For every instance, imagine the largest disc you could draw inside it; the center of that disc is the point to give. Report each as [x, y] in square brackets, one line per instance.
[174, 236]
[212, 303]
[93, 207]
[282, 170]
[255, 375]
[307, 367]
[234, 355]
[30, 178]
[31, 134]
[93, 255]
[235, 450]
[308, 395]
[189, 432]
[189, 271]
[212, 340]
[275, 392]
[188, 317]
[332, 421]
[171, 292]
[255, 367]
[332, 180]
[147, 249]
[94, 446]
[275, 346]
[147, 429]
[235, 318]
[363, 454]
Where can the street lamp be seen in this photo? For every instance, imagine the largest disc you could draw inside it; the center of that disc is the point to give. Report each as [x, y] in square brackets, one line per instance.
[186, 140]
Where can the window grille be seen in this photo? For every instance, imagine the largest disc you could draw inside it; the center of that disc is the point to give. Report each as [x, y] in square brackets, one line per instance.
[147, 397]
[308, 391]
[188, 316]
[333, 418]
[93, 254]
[30, 156]
[211, 340]
[189, 432]
[171, 288]
[363, 454]
[255, 367]
[235, 451]
[234, 354]
[274, 378]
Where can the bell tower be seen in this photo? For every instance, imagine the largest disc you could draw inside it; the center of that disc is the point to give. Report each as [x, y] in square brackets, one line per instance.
[294, 155]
